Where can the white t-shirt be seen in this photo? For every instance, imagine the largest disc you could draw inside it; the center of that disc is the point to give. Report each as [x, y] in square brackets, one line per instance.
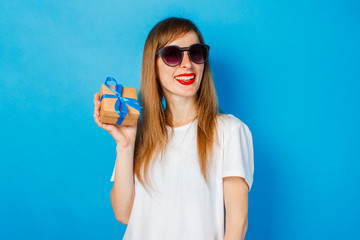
[181, 206]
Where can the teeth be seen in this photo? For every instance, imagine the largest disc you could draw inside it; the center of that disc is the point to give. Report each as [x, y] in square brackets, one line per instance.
[184, 78]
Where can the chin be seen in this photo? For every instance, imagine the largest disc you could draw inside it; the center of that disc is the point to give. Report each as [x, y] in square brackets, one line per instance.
[188, 94]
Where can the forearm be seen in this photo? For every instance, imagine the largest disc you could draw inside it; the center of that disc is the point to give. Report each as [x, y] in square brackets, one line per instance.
[123, 191]
[236, 229]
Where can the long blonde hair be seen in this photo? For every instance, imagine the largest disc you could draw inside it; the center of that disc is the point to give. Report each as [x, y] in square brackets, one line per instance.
[152, 135]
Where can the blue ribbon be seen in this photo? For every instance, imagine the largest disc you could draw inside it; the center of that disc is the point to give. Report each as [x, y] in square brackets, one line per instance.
[121, 101]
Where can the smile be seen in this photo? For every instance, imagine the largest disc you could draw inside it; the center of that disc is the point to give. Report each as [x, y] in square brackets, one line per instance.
[186, 78]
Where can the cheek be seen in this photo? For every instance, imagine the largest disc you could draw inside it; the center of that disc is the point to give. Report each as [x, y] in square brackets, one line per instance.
[164, 76]
[159, 71]
[201, 71]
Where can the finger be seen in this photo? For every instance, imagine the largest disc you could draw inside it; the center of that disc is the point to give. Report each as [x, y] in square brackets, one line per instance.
[97, 120]
[105, 126]
[96, 113]
[97, 108]
[96, 98]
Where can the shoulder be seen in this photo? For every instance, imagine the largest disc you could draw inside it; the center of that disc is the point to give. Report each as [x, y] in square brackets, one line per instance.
[229, 123]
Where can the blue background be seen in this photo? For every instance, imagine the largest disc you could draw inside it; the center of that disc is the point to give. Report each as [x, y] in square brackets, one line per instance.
[288, 69]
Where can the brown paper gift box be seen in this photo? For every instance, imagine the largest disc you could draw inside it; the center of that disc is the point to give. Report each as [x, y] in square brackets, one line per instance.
[107, 109]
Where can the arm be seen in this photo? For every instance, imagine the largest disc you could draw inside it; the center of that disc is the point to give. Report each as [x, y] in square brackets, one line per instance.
[123, 191]
[236, 206]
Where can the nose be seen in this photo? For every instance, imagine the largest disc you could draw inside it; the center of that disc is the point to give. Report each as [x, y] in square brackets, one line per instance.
[186, 62]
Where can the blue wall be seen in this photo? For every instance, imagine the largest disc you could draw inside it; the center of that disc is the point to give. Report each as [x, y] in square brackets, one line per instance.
[289, 69]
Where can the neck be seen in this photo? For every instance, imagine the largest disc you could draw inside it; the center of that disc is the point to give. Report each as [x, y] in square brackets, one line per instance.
[183, 110]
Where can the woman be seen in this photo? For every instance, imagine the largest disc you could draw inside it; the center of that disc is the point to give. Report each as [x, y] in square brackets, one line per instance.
[185, 162]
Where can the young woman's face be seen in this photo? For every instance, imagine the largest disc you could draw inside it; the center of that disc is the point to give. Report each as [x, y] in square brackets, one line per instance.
[173, 84]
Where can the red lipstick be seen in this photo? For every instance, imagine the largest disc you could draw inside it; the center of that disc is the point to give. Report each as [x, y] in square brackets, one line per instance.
[186, 78]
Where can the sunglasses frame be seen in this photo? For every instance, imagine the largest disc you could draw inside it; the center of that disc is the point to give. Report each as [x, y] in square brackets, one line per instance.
[207, 47]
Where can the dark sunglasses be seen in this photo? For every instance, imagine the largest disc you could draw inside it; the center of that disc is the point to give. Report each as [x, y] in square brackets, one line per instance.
[172, 55]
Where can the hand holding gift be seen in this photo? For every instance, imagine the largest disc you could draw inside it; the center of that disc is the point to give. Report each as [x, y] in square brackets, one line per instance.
[117, 110]
[119, 105]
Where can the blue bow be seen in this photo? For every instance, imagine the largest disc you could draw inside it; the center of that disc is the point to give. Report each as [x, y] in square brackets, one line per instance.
[120, 100]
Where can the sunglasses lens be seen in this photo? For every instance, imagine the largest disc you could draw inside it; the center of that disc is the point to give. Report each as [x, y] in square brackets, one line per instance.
[198, 53]
[171, 56]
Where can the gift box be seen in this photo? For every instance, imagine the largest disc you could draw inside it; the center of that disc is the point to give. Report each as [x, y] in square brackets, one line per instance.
[119, 105]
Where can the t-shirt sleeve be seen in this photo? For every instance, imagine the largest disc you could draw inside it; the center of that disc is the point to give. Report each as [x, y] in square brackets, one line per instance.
[113, 174]
[238, 152]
